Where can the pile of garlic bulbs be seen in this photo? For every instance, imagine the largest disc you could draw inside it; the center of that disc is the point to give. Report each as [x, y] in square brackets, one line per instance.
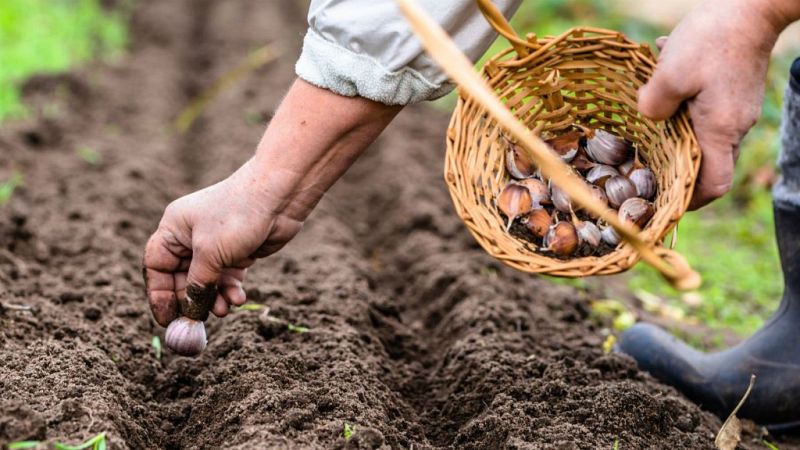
[539, 211]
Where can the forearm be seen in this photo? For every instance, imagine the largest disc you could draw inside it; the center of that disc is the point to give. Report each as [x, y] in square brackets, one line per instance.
[311, 141]
[780, 13]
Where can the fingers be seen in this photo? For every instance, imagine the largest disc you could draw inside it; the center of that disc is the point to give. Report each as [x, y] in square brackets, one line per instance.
[220, 308]
[716, 172]
[160, 260]
[205, 268]
[661, 41]
[163, 302]
[661, 97]
[671, 84]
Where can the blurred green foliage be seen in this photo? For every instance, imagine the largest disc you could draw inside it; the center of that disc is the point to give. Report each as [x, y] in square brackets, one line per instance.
[44, 36]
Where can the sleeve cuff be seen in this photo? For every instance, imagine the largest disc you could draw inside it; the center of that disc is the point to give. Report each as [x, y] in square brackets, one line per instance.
[330, 66]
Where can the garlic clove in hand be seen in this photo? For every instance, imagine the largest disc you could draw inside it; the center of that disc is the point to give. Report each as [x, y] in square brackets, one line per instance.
[186, 337]
[607, 148]
[645, 182]
[619, 189]
[514, 201]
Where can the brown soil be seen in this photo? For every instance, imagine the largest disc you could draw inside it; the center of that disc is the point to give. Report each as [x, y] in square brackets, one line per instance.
[417, 338]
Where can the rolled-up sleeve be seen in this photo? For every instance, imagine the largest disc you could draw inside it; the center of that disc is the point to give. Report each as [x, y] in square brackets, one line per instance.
[366, 48]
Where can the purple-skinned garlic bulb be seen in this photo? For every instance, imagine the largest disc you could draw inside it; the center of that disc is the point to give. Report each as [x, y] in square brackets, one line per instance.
[186, 335]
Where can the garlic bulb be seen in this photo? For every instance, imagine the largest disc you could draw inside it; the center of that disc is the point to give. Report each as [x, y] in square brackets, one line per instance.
[186, 336]
[609, 235]
[588, 234]
[538, 222]
[619, 189]
[517, 165]
[645, 182]
[560, 199]
[600, 173]
[514, 201]
[582, 162]
[561, 239]
[600, 197]
[636, 210]
[566, 145]
[626, 167]
[607, 148]
[540, 195]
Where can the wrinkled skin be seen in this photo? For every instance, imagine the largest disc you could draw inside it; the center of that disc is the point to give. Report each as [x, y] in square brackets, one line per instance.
[209, 238]
[716, 60]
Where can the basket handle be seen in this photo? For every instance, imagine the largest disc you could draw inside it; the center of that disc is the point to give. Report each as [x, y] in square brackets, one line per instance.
[445, 52]
[498, 21]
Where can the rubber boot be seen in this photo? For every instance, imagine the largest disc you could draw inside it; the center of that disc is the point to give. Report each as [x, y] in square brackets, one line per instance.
[717, 381]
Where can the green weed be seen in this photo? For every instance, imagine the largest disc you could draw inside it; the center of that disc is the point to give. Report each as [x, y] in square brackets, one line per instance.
[96, 443]
[296, 328]
[23, 444]
[348, 431]
[156, 343]
[90, 155]
[8, 187]
[249, 307]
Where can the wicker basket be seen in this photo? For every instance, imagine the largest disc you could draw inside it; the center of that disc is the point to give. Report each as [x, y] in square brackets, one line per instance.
[587, 76]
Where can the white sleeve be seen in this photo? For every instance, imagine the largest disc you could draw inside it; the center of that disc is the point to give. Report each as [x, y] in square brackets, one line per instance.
[366, 48]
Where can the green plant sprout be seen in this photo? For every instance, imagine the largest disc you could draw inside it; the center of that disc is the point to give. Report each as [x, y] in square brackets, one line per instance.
[289, 326]
[249, 307]
[23, 445]
[296, 328]
[616, 444]
[770, 445]
[89, 155]
[156, 343]
[8, 187]
[348, 431]
[96, 443]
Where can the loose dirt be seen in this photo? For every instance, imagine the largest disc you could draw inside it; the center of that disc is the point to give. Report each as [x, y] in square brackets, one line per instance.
[416, 337]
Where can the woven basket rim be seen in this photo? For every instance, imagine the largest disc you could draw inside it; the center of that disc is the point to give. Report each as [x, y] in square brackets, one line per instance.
[507, 61]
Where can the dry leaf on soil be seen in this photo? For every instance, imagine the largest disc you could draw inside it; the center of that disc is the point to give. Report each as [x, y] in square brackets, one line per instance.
[730, 433]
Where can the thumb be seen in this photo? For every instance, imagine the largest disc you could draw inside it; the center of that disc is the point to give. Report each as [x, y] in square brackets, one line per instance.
[661, 97]
[661, 41]
[669, 86]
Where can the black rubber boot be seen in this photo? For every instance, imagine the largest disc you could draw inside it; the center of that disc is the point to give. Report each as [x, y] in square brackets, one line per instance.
[717, 381]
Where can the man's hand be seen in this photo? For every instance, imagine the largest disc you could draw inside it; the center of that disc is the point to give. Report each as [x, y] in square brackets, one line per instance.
[716, 59]
[209, 238]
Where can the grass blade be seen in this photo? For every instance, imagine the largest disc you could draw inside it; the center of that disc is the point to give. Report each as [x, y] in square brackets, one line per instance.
[23, 444]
